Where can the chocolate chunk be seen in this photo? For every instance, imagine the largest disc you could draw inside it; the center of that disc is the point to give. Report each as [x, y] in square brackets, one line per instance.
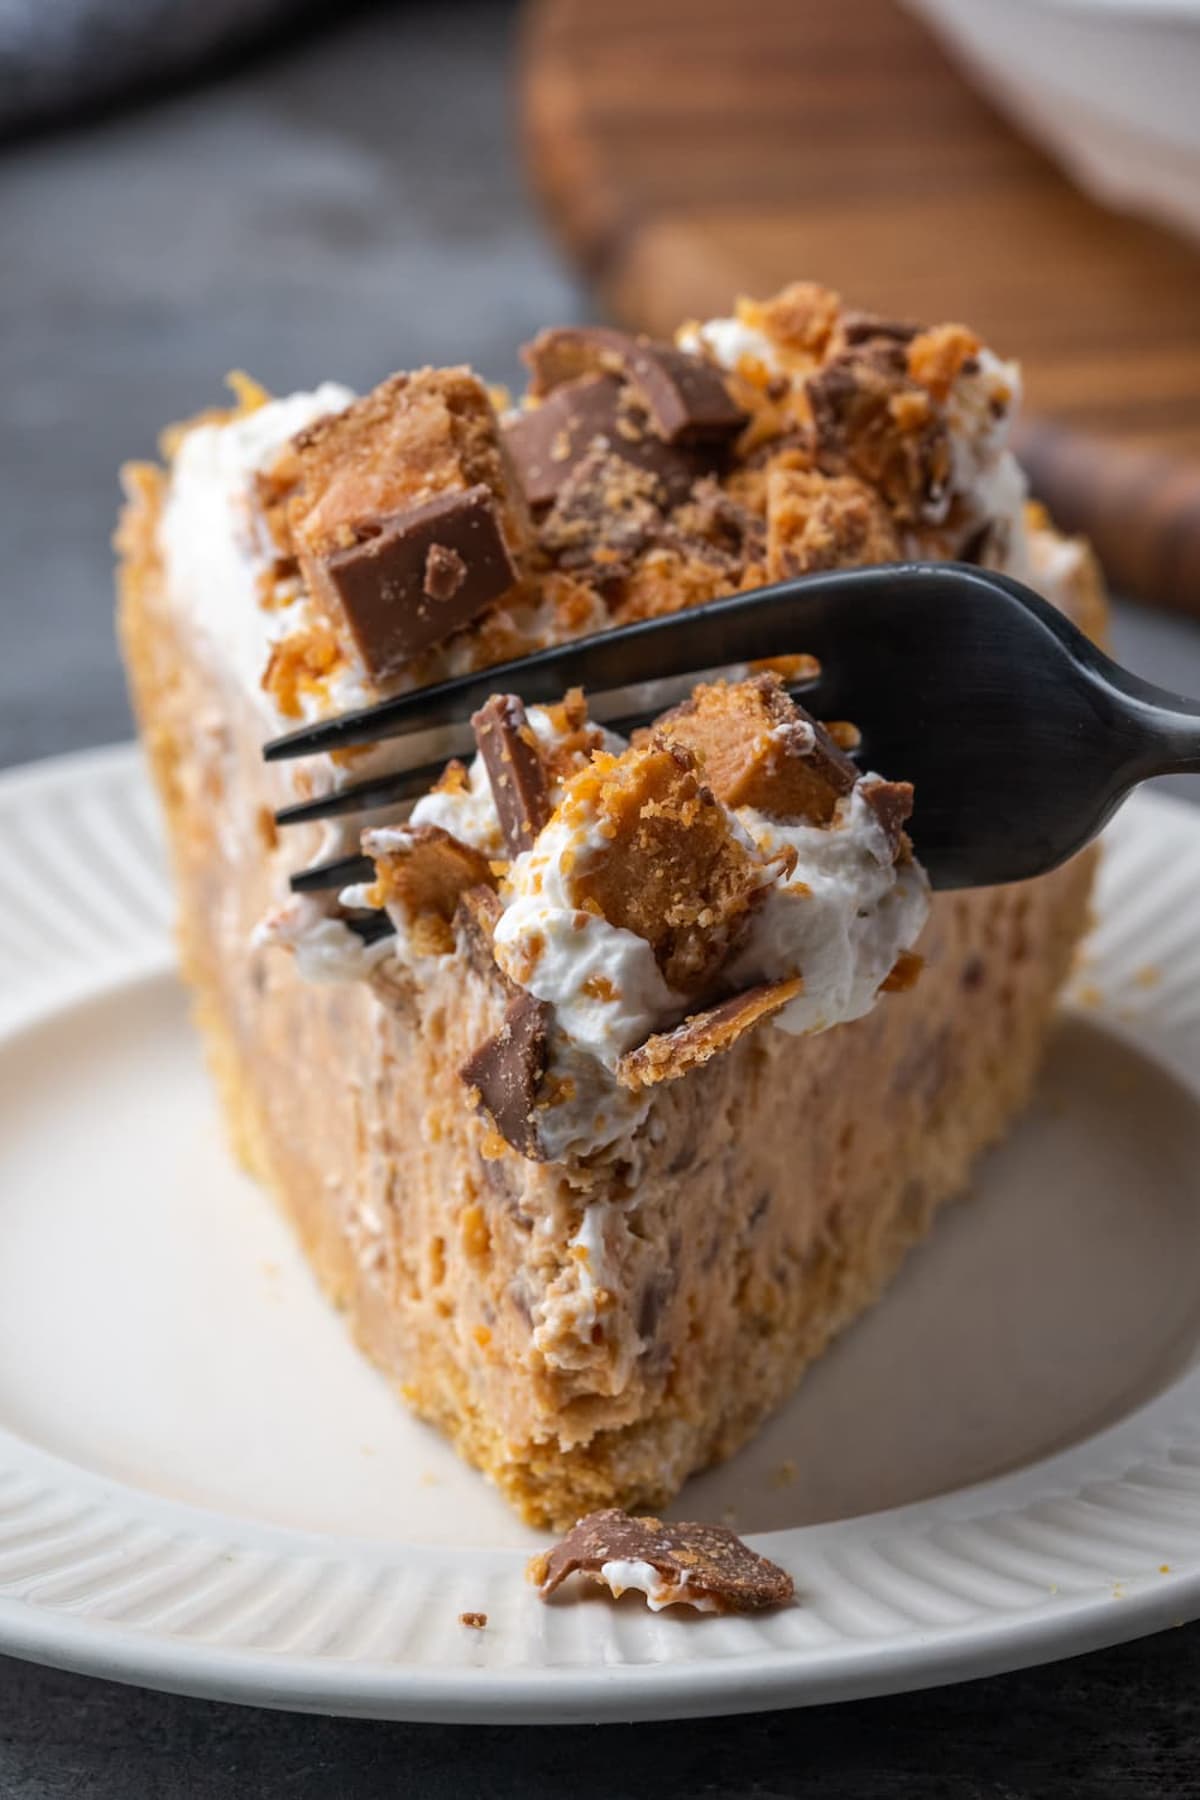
[694, 1562]
[548, 442]
[861, 327]
[606, 514]
[872, 420]
[475, 921]
[414, 577]
[669, 1054]
[686, 397]
[510, 754]
[505, 1073]
[892, 804]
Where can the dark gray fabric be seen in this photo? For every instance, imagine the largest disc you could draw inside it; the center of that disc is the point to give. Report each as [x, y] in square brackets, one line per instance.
[57, 55]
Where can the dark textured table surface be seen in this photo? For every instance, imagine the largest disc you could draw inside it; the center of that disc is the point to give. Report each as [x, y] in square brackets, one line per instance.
[347, 207]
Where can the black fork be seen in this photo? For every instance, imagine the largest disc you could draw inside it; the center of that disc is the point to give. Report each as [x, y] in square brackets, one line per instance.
[1020, 736]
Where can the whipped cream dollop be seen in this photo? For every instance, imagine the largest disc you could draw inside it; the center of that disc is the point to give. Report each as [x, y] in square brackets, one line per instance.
[839, 917]
[214, 545]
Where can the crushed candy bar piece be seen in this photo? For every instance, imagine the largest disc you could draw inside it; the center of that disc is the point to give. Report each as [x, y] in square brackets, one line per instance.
[704, 1566]
[417, 576]
[667, 863]
[445, 572]
[411, 438]
[548, 442]
[801, 317]
[714, 527]
[477, 1621]
[686, 397]
[670, 1054]
[818, 521]
[892, 804]
[871, 419]
[937, 358]
[606, 514]
[904, 973]
[300, 664]
[505, 1073]
[758, 748]
[422, 872]
[575, 738]
[510, 754]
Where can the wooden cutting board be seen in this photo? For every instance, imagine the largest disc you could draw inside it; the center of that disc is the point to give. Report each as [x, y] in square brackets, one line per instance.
[689, 150]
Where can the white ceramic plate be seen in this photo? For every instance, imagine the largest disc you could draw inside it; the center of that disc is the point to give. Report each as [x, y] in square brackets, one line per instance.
[203, 1488]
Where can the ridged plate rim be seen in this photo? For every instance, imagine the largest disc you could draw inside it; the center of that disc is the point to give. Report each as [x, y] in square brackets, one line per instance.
[1089, 1547]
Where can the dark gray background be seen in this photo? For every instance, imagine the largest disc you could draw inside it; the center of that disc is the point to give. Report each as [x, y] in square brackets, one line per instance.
[351, 206]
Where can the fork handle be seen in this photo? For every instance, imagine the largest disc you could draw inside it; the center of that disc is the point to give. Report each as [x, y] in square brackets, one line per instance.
[1168, 725]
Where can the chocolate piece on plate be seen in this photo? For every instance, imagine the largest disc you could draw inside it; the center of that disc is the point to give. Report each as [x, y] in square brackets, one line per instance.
[506, 1071]
[416, 576]
[706, 1566]
[510, 754]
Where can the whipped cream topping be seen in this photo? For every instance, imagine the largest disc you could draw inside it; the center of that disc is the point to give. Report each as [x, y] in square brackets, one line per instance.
[603, 981]
[840, 917]
[214, 546]
[838, 912]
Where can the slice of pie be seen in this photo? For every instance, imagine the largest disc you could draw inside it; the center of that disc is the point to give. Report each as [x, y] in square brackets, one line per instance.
[615, 1077]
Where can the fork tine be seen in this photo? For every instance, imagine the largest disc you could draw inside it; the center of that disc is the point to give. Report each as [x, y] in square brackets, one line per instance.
[343, 871]
[410, 784]
[812, 614]
[371, 927]
[364, 796]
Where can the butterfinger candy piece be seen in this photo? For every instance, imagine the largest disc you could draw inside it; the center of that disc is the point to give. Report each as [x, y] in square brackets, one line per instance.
[705, 1566]
[686, 397]
[510, 754]
[417, 576]
[410, 439]
[505, 1073]
[817, 521]
[937, 358]
[757, 748]
[422, 872]
[871, 419]
[669, 1054]
[666, 862]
